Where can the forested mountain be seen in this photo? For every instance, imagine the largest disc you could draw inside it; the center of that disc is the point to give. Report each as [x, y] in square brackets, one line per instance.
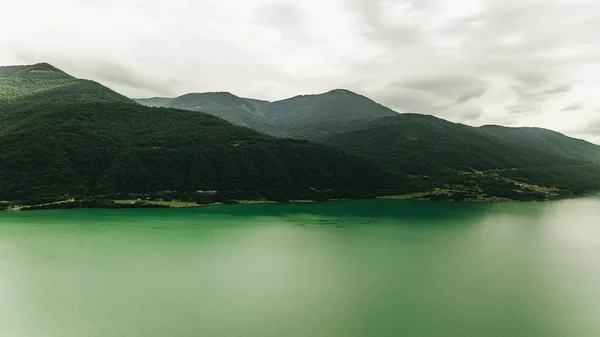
[44, 83]
[63, 136]
[314, 116]
[547, 141]
[423, 144]
[303, 117]
[225, 105]
[258, 103]
[93, 141]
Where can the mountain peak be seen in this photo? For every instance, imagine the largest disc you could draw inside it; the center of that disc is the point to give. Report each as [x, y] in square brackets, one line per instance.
[342, 91]
[47, 67]
[44, 82]
[43, 67]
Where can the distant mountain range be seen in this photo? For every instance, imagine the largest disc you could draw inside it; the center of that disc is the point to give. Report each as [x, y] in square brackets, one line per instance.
[302, 117]
[66, 137]
[416, 144]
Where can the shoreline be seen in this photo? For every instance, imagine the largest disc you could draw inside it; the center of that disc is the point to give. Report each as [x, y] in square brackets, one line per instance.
[156, 204]
[431, 196]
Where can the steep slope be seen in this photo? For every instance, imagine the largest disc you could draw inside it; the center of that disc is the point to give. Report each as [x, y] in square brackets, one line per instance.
[155, 102]
[224, 105]
[258, 103]
[45, 83]
[70, 147]
[314, 116]
[426, 145]
[547, 141]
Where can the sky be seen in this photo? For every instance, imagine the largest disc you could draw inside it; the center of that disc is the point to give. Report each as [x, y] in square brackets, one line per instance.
[508, 62]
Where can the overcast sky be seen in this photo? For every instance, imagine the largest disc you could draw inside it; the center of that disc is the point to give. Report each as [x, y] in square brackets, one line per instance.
[521, 62]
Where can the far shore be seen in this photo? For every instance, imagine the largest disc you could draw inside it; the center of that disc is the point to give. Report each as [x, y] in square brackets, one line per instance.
[435, 195]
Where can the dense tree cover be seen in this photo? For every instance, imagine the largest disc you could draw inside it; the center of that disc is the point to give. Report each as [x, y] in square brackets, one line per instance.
[422, 144]
[154, 102]
[425, 145]
[62, 137]
[432, 150]
[109, 148]
[43, 82]
[312, 116]
[227, 106]
[526, 139]
[302, 117]
[258, 103]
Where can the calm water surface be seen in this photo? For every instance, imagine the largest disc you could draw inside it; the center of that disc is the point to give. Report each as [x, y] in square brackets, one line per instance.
[357, 268]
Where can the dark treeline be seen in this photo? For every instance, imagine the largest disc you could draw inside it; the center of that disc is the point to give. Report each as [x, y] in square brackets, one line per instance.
[64, 138]
[110, 148]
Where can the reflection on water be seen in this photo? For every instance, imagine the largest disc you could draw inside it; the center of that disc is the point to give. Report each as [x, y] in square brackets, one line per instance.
[359, 268]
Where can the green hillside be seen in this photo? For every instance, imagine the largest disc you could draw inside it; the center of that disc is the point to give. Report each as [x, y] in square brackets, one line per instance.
[547, 141]
[258, 103]
[426, 145]
[54, 144]
[302, 117]
[44, 83]
[227, 106]
[63, 137]
[314, 116]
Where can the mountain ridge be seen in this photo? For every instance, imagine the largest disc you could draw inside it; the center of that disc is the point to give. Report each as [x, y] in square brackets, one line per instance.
[71, 136]
[225, 105]
[53, 144]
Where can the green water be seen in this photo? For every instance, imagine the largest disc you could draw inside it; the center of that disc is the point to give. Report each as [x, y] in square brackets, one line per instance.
[357, 268]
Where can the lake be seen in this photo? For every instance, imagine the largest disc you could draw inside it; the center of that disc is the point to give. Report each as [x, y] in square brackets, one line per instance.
[352, 268]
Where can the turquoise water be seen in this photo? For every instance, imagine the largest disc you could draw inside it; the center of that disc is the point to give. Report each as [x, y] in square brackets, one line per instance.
[355, 268]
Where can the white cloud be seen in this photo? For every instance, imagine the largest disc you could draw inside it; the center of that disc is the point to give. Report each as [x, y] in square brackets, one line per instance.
[474, 61]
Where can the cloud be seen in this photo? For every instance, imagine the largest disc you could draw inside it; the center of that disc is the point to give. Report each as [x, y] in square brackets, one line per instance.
[590, 130]
[558, 89]
[573, 107]
[502, 43]
[444, 96]
[471, 61]
[285, 17]
[532, 89]
[457, 88]
[105, 71]
[594, 127]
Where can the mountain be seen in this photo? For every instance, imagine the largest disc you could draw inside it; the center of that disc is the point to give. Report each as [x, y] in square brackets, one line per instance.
[426, 145]
[314, 116]
[45, 83]
[227, 106]
[155, 102]
[61, 136]
[258, 103]
[548, 141]
[302, 117]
